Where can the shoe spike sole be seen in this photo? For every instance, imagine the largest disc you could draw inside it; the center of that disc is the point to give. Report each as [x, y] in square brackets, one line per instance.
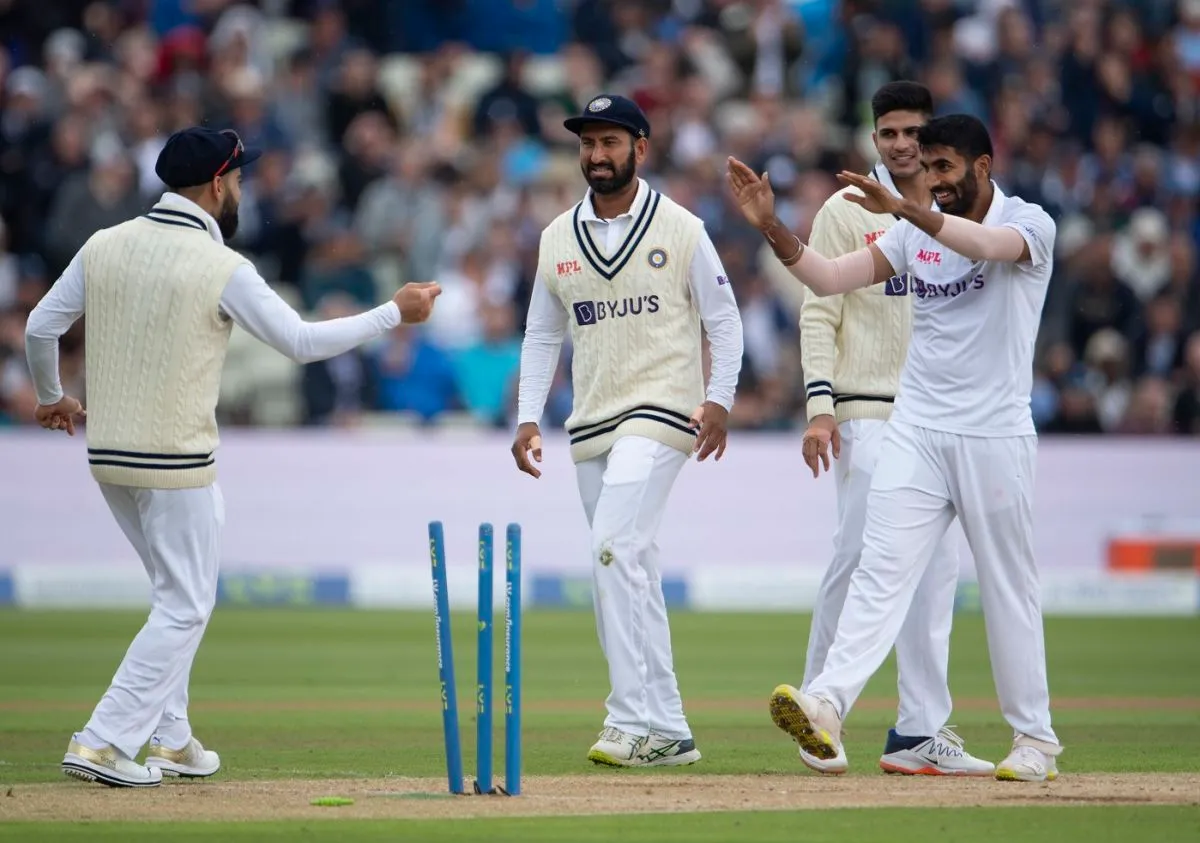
[789, 717]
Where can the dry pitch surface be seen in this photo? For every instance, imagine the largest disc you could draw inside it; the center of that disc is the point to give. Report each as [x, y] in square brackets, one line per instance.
[394, 798]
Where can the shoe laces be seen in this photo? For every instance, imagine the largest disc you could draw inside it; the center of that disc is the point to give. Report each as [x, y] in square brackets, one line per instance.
[612, 733]
[951, 737]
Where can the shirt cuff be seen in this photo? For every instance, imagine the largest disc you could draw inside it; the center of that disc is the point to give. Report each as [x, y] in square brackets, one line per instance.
[819, 405]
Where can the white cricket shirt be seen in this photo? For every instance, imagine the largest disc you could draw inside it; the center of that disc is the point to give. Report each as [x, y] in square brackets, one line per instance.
[970, 360]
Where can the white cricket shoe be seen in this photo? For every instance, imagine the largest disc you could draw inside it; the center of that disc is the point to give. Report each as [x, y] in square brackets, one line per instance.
[661, 751]
[192, 762]
[814, 724]
[616, 748]
[941, 755]
[1027, 764]
[107, 766]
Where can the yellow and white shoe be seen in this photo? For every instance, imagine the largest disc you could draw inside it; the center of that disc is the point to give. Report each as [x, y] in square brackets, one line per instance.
[1027, 764]
[617, 749]
[193, 761]
[108, 767]
[814, 724]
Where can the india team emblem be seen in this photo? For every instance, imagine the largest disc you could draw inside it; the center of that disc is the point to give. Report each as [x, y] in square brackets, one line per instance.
[599, 104]
[657, 258]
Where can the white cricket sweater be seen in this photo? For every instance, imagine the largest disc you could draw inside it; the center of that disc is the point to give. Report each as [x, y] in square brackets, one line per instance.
[155, 344]
[635, 330]
[853, 346]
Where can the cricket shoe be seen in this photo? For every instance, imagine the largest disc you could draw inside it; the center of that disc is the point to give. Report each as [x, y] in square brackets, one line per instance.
[191, 762]
[814, 724]
[108, 767]
[1027, 764]
[617, 749]
[941, 755]
[661, 751]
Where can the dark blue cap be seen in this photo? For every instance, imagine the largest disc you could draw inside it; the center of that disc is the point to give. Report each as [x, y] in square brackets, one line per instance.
[611, 108]
[197, 155]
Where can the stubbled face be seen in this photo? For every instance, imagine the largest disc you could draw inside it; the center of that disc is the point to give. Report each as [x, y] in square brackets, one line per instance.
[231, 199]
[895, 140]
[953, 182]
[609, 157]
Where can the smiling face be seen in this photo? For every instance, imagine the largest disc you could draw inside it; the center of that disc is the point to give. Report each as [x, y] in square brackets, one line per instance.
[895, 139]
[954, 181]
[609, 157]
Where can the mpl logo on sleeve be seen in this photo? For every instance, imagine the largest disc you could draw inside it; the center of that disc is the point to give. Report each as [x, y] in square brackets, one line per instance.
[591, 312]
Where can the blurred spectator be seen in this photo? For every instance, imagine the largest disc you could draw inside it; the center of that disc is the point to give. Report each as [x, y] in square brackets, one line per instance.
[415, 376]
[423, 140]
[338, 391]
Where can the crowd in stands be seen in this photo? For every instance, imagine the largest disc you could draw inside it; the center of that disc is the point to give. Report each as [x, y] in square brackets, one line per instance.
[423, 140]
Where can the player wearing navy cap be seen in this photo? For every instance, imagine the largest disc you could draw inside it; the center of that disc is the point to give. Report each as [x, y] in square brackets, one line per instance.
[162, 293]
[632, 276]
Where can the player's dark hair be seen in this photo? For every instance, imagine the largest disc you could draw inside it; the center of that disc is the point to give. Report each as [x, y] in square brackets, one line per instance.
[963, 133]
[902, 96]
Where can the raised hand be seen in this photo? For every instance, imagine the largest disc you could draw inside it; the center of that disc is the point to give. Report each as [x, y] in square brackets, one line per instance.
[876, 198]
[754, 196]
[415, 300]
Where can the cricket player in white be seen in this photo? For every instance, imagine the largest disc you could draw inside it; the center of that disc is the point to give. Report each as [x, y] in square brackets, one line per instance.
[961, 439]
[162, 293]
[853, 348]
[633, 277]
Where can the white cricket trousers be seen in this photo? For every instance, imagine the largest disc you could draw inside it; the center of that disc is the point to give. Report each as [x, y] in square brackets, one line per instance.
[923, 478]
[624, 493]
[923, 644]
[177, 534]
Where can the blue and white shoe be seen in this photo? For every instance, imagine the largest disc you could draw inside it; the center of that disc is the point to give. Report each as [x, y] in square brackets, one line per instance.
[941, 755]
[661, 751]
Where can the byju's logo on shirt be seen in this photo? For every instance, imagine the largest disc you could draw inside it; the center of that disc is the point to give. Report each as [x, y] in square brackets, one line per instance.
[591, 312]
[897, 285]
[925, 290]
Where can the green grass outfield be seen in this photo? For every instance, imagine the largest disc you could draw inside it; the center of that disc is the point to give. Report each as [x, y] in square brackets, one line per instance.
[329, 694]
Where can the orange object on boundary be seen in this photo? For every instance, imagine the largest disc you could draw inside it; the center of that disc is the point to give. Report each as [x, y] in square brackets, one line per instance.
[1135, 553]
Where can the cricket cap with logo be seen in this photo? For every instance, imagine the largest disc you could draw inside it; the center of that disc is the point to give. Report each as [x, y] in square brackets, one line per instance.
[614, 109]
[197, 155]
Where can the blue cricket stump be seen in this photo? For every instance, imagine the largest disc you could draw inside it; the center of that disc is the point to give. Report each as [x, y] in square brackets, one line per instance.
[445, 657]
[483, 688]
[512, 662]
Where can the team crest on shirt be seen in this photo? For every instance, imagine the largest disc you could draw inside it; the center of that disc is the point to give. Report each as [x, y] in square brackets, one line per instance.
[657, 258]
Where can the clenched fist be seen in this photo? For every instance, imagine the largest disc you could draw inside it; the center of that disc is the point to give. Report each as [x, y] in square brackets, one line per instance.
[415, 300]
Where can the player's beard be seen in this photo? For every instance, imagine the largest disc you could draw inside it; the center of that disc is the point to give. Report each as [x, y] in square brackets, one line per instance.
[618, 181]
[227, 219]
[966, 191]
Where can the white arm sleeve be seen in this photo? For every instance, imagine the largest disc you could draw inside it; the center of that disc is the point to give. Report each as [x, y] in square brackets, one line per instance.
[253, 305]
[713, 295]
[827, 277]
[54, 315]
[545, 329]
[980, 242]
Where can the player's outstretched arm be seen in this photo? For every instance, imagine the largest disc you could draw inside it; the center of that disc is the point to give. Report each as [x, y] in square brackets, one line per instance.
[825, 277]
[966, 237]
[253, 305]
